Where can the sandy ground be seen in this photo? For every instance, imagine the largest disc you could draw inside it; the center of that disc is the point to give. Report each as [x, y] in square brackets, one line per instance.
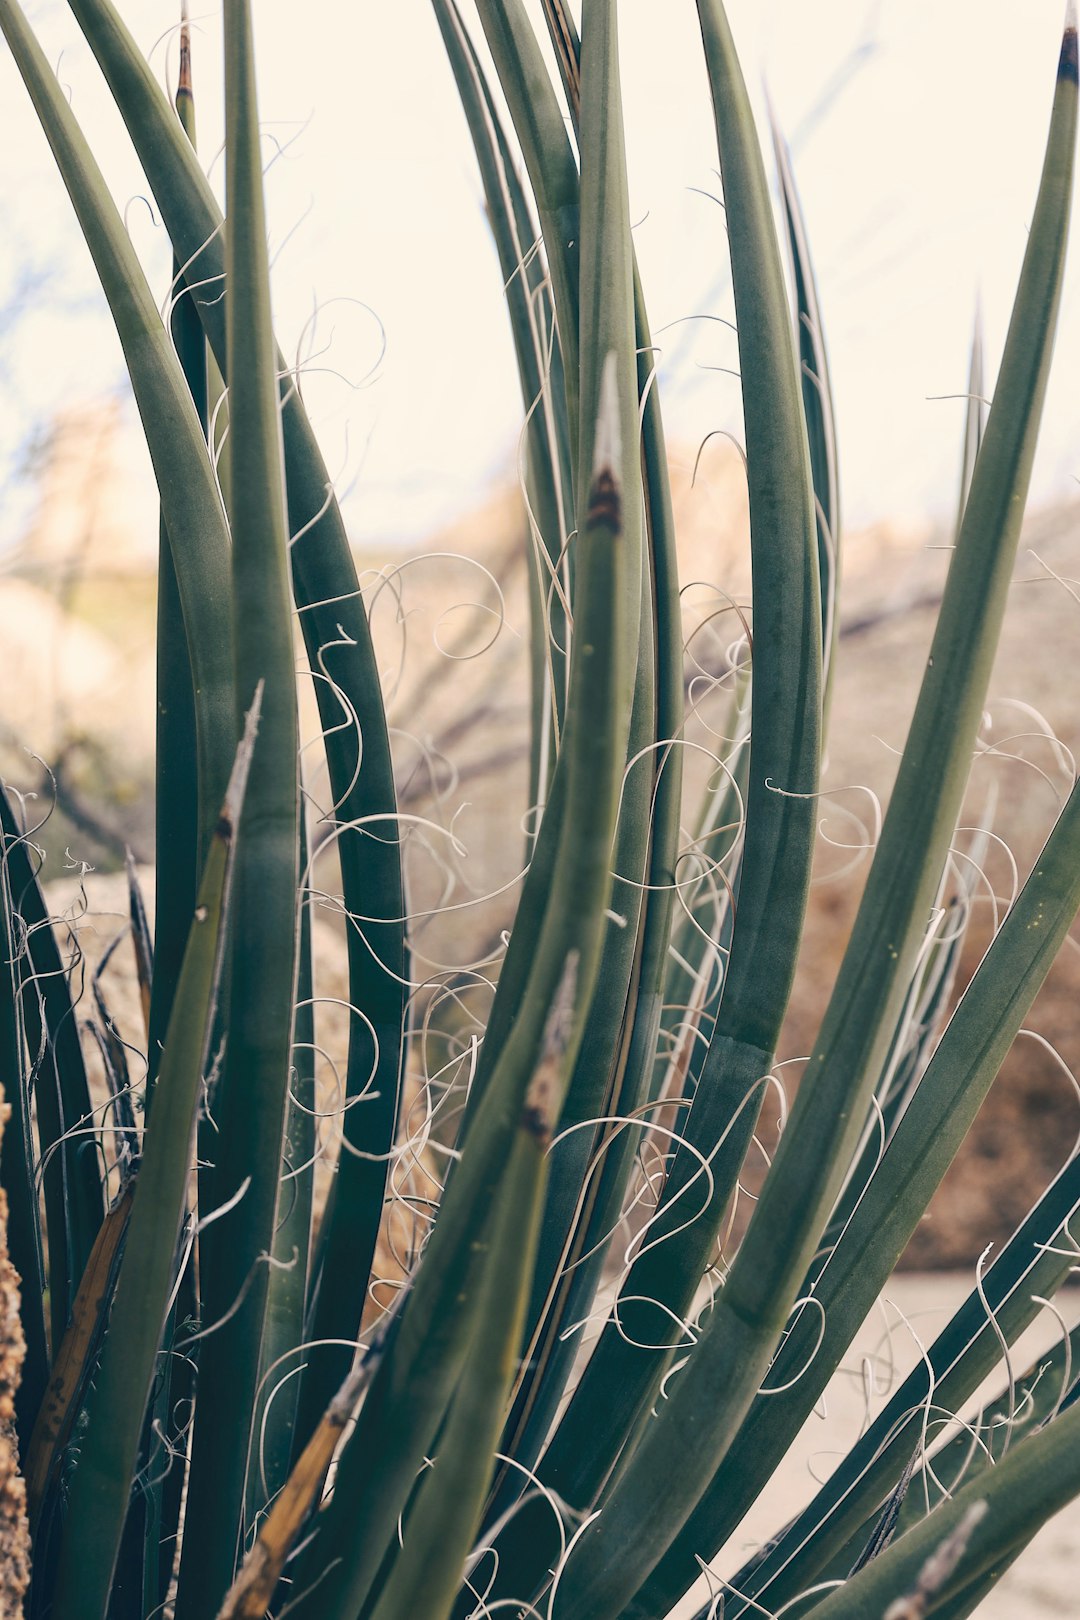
[1045, 1582]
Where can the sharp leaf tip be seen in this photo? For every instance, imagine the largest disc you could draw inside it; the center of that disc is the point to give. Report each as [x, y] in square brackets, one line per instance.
[1069, 63]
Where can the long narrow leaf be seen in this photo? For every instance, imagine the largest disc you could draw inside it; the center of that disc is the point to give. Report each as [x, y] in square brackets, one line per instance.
[348, 692]
[68, 1144]
[613, 1075]
[17, 1175]
[817, 407]
[176, 876]
[194, 518]
[75, 1359]
[780, 816]
[538, 123]
[283, 1340]
[926, 1139]
[176, 870]
[98, 1494]
[1032, 1265]
[550, 476]
[252, 1098]
[411, 1390]
[442, 1523]
[617, 1551]
[1033, 1481]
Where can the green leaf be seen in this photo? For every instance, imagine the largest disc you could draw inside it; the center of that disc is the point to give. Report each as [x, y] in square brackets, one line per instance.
[1031, 1400]
[817, 405]
[175, 798]
[538, 123]
[67, 1138]
[251, 1099]
[109, 1448]
[17, 1160]
[1031, 1266]
[616, 1552]
[991, 1514]
[542, 377]
[283, 1347]
[347, 689]
[412, 1387]
[880, 1225]
[189, 496]
[780, 821]
[442, 1523]
[615, 1067]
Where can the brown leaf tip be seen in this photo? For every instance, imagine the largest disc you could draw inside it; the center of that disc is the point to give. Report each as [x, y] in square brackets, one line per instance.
[1069, 65]
[183, 87]
[605, 503]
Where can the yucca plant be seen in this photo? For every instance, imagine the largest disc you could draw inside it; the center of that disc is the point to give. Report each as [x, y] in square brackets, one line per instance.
[219, 1413]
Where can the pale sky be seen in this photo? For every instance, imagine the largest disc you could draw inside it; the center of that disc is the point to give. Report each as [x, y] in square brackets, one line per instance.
[918, 128]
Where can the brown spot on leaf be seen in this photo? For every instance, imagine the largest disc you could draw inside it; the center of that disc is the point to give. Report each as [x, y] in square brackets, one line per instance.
[605, 503]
